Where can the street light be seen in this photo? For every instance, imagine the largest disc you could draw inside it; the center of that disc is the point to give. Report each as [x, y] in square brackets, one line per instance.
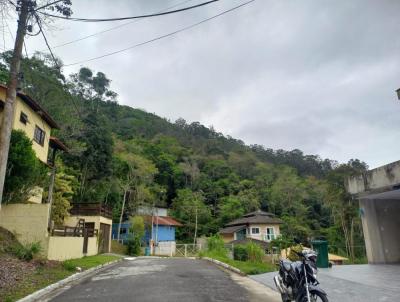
[398, 93]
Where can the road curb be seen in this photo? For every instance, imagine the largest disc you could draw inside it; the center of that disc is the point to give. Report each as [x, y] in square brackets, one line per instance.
[225, 265]
[52, 287]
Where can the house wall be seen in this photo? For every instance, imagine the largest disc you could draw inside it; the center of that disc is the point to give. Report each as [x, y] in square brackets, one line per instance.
[28, 222]
[263, 231]
[165, 233]
[125, 225]
[63, 248]
[33, 120]
[73, 220]
[227, 237]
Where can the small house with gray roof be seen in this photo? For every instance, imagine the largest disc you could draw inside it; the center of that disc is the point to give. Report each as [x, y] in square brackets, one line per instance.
[258, 225]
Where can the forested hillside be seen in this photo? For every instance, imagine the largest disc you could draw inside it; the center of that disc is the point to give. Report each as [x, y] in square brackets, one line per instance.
[119, 153]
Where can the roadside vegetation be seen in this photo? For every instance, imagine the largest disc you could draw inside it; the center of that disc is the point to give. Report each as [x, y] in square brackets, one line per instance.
[23, 271]
[249, 258]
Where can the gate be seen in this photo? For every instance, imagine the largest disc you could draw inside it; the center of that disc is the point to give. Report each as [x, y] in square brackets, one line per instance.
[104, 240]
[187, 250]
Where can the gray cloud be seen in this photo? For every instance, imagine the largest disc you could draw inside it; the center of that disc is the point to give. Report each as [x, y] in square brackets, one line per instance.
[315, 75]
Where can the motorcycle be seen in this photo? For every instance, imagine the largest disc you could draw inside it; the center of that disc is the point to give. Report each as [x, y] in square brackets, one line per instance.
[297, 281]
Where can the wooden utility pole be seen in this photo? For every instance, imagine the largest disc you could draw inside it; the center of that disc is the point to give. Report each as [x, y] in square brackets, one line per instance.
[12, 84]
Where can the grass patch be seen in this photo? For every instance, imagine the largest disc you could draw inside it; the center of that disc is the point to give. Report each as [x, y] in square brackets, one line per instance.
[40, 278]
[88, 262]
[247, 267]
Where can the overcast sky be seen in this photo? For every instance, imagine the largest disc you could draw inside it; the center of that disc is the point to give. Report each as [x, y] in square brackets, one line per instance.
[316, 75]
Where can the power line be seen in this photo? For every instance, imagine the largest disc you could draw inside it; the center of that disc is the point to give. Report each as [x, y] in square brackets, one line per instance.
[163, 36]
[56, 63]
[115, 27]
[133, 17]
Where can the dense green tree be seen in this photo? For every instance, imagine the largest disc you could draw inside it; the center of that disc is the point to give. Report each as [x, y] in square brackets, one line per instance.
[24, 170]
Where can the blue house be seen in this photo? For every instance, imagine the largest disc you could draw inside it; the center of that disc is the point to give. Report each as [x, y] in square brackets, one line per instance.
[163, 229]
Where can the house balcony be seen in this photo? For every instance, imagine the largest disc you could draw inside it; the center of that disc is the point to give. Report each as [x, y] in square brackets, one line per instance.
[90, 209]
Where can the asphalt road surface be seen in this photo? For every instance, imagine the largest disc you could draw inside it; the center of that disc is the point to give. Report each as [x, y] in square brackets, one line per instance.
[163, 279]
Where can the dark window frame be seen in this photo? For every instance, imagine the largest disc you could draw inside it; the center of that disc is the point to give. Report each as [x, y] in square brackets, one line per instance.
[23, 118]
[255, 230]
[39, 135]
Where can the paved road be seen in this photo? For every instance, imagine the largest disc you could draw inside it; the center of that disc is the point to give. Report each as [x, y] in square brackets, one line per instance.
[354, 283]
[149, 279]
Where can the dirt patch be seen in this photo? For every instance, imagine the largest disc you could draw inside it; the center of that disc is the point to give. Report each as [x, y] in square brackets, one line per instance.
[12, 271]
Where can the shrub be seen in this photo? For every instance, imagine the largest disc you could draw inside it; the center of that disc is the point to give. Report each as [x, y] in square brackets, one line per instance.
[69, 266]
[254, 252]
[215, 243]
[26, 251]
[248, 252]
[240, 252]
[133, 246]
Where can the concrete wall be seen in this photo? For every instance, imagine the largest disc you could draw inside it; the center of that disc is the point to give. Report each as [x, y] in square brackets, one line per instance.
[27, 221]
[377, 179]
[381, 226]
[227, 237]
[166, 248]
[63, 248]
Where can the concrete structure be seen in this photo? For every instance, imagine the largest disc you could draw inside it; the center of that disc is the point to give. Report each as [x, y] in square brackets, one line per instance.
[63, 248]
[96, 222]
[378, 192]
[256, 225]
[28, 222]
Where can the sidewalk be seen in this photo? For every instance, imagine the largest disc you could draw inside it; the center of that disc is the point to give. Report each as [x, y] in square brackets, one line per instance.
[354, 283]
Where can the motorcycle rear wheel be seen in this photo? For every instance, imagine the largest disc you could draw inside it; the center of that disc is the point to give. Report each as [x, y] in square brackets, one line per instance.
[316, 297]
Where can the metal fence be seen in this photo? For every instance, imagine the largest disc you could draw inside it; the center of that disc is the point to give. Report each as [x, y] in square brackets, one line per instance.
[187, 250]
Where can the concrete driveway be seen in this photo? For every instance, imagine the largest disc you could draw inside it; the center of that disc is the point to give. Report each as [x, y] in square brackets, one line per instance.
[165, 279]
[354, 283]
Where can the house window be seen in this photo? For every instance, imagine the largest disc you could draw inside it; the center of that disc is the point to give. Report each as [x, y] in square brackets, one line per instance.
[39, 136]
[23, 118]
[255, 230]
[122, 231]
[270, 234]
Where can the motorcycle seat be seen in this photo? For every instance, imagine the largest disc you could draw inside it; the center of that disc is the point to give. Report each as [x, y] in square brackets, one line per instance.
[286, 264]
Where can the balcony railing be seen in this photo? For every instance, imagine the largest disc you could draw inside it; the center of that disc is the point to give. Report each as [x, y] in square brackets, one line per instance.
[90, 209]
[67, 231]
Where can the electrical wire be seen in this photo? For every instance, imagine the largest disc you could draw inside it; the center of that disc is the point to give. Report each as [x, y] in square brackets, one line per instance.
[161, 37]
[133, 17]
[114, 27]
[56, 62]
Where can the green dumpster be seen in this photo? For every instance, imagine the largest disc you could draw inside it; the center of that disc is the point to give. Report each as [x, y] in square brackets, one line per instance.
[321, 247]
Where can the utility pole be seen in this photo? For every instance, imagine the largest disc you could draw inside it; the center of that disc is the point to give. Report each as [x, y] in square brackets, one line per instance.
[11, 94]
[195, 227]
